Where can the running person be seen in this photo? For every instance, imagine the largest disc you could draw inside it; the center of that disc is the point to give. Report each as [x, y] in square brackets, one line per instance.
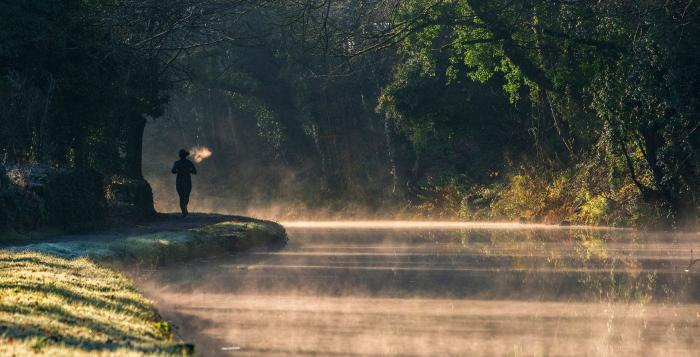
[184, 168]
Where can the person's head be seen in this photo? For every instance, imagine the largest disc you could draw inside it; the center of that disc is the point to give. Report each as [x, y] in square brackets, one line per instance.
[183, 153]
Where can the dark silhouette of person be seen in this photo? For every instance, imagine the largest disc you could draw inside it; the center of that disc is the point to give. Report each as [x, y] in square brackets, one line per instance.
[183, 183]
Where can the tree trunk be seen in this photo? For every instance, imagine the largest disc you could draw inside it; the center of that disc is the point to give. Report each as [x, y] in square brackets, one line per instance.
[134, 147]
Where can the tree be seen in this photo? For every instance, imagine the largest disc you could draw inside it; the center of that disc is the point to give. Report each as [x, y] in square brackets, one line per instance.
[602, 66]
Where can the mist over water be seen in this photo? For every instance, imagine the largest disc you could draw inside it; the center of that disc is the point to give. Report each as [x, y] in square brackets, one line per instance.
[438, 290]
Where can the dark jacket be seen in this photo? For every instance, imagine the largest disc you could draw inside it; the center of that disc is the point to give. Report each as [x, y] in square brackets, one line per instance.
[184, 168]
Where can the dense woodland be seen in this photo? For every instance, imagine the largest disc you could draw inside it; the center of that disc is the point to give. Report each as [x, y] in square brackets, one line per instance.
[577, 111]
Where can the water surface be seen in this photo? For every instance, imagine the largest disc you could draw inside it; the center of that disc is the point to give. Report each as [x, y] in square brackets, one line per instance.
[440, 290]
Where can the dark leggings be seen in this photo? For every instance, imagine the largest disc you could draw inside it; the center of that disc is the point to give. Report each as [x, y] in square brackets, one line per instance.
[184, 192]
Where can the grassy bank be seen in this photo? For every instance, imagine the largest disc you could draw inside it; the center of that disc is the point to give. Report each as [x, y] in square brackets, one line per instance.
[62, 299]
[68, 307]
[168, 245]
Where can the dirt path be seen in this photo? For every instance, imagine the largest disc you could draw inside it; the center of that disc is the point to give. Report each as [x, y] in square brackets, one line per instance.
[162, 222]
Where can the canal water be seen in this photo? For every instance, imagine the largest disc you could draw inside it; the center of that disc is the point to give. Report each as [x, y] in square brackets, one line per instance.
[390, 289]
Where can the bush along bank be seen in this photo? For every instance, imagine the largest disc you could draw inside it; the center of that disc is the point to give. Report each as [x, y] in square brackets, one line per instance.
[62, 299]
[39, 197]
[583, 195]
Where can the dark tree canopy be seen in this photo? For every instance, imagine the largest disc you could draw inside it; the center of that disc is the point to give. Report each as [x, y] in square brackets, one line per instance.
[549, 110]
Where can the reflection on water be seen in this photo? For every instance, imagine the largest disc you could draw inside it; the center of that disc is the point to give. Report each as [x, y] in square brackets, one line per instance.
[441, 291]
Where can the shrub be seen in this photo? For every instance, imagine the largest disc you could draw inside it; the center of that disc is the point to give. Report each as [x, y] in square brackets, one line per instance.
[524, 194]
[4, 180]
[73, 197]
[130, 199]
[584, 194]
[20, 209]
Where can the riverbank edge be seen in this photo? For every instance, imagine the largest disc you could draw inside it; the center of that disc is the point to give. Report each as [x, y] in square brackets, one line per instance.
[43, 284]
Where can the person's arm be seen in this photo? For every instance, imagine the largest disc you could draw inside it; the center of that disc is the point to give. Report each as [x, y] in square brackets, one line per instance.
[193, 169]
[174, 170]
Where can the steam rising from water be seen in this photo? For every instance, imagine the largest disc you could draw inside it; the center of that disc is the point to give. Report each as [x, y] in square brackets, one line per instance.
[199, 153]
[480, 289]
[425, 225]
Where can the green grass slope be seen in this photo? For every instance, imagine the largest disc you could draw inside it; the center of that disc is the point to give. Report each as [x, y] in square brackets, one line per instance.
[72, 307]
[60, 299]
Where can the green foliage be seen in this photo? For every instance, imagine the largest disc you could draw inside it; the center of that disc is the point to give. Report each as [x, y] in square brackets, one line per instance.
[510, 105]
[269, 128]
[68, 93]
[599, 85]
[74, 95]
[580, 195]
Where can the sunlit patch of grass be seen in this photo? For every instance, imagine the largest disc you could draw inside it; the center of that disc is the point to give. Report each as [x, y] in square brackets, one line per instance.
[58, 306]
[55, 300]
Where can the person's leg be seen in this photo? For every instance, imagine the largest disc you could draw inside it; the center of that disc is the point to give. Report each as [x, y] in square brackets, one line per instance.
[184, 201]
[183, 205]
[184, 197]
[183, 190]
